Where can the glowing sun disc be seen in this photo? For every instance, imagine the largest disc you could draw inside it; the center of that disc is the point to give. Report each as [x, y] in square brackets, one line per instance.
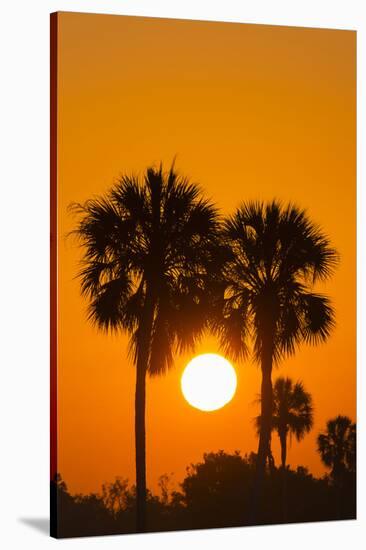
[208, 382]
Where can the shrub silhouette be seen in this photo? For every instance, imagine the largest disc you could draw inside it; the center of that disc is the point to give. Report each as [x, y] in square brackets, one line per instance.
[216, 492]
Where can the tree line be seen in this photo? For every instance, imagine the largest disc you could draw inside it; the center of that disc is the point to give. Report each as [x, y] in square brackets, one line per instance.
[217, 492]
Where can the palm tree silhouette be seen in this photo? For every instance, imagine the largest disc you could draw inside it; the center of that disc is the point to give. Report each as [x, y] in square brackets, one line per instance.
[337, 447]
[149, 251]
[278, 255]
[292, 412]
[292, 415]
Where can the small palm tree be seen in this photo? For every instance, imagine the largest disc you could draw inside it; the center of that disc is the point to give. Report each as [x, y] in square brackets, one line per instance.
[268, 298]
[292, 415]
[149, 250]
[337, 447]
[292, 412]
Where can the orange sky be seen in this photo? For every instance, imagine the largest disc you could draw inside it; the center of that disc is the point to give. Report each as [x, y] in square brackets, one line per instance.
[252, 112]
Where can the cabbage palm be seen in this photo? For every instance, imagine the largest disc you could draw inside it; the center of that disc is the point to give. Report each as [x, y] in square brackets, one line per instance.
[292, 412]
[278, 254]
[337, 447]
[149, 246]
[292, 415]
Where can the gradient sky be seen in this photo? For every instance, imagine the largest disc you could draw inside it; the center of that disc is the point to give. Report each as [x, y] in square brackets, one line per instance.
[251, 112]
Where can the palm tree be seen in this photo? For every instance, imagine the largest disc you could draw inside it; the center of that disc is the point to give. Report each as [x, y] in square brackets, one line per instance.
[149, 250]
[278, 255]
[337, 447]
[292, 412]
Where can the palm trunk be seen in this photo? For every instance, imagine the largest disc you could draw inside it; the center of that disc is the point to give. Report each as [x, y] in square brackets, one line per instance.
[283, 441]
[264, 446]
[338, 483]
[140, 447]
[266, 419]
[140, 406]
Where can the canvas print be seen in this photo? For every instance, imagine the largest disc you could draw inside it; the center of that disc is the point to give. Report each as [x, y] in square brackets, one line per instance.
[203, 269]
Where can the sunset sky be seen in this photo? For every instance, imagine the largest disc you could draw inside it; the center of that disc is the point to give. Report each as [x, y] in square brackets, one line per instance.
[249, 112]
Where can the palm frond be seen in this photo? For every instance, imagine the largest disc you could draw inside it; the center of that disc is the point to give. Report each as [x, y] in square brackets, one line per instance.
[161, 356]
[106, 307]
[277, 253]
[293, 411]
[157, 236]
[318, 317]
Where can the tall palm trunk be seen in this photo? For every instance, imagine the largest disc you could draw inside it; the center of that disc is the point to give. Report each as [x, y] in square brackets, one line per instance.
[140, 448]
[264, 446]
[140, 407]
[266, 417]
[283, 441]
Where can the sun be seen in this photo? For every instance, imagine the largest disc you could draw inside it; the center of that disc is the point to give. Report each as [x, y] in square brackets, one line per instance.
[208, 382]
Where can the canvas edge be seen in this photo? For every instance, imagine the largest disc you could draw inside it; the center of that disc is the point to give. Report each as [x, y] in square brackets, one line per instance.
[53, 271]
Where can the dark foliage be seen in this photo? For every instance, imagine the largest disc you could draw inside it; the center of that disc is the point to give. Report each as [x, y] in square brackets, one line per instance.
[277, 254]
[215, 493]
[337, 448]
[292, 412]
[151, 239]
